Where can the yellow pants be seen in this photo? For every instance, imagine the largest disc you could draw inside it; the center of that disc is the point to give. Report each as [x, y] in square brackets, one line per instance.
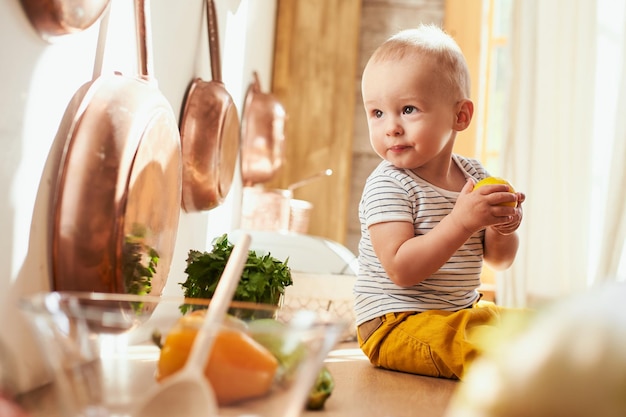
[433, 343]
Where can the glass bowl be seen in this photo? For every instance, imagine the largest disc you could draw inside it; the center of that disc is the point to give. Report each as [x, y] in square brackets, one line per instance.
[107, 351]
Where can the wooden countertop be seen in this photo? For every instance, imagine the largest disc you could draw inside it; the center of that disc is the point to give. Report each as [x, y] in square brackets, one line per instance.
[362, 390]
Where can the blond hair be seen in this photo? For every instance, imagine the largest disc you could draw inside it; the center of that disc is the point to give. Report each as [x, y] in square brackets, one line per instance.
[433, 42]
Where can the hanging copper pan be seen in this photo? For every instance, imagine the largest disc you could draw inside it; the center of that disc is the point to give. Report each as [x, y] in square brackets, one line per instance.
[52, 18]
[209, 131]
[263, 135]
[116, 198]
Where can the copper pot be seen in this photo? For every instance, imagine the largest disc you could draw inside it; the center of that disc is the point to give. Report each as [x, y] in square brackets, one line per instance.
[52, 18]
[263, 135]
[274, 210]
[209, 130]
[116, 197]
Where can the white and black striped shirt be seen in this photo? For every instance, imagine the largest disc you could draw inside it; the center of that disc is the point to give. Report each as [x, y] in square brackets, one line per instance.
[393, 194]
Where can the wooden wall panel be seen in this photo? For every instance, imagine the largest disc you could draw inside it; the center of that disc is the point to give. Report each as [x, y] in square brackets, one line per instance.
[315, 63]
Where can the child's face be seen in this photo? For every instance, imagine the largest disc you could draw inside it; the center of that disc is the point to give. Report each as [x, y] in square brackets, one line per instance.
[411, 115]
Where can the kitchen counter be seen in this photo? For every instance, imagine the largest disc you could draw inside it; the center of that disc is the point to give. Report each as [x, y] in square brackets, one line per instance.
[362, 390]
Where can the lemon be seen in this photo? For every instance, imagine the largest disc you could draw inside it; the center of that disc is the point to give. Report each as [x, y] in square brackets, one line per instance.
[497, 180]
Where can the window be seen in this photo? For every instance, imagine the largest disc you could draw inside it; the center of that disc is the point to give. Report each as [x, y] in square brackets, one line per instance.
[492, 31]
[495, 51]
[485, 23]
[482, 29]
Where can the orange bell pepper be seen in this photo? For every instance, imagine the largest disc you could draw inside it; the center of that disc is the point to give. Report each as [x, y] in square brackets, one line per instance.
[239, 368]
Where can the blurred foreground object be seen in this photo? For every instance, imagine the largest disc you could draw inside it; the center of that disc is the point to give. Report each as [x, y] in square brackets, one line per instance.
[569, 360]
[321, 391]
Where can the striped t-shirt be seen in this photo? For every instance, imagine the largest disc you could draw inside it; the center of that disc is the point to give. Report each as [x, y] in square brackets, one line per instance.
[394, 194]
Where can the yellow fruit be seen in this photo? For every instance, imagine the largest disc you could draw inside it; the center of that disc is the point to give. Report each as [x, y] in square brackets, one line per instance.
[497, 180]
[239, 368]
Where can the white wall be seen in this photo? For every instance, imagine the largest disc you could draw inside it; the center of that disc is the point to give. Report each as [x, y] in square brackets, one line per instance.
[37, 79]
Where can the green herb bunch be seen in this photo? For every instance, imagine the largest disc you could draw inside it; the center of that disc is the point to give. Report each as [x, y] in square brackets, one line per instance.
[263, 280]
[139, 262]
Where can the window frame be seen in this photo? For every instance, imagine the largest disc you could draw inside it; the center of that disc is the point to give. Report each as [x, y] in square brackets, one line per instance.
[472, 23]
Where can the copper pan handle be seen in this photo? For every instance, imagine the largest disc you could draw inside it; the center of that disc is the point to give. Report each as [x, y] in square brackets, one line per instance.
[144, 39]
[103, 31]
[214, 43]
[326, 173]
[256, 85]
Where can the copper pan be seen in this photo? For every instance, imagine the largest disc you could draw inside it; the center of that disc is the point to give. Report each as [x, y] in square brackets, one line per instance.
[209, 131]
[52, 18]
[263, 135]
[116, 197]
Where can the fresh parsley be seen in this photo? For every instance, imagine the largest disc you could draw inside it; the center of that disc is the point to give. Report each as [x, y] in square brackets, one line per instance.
[139, 262]
[263, 280]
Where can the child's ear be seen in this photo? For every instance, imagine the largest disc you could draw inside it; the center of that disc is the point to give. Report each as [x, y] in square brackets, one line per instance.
[464, 113]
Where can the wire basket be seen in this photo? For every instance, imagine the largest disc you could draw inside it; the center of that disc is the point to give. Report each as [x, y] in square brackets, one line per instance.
[331, 293]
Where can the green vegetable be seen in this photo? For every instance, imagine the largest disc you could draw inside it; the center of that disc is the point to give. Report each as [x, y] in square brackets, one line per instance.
[157, 338]
[263, 280]
[139, 262]
[287, 347]
[322, 389]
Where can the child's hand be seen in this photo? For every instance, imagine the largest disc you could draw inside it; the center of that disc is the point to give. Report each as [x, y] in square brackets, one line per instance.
[480, 209]
[513, 223]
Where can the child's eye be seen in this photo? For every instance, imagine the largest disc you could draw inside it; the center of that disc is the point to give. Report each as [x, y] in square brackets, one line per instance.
[377, 114]
[408, 109]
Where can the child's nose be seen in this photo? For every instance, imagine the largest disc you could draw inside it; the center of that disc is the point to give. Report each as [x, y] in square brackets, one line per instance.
[393, 127]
